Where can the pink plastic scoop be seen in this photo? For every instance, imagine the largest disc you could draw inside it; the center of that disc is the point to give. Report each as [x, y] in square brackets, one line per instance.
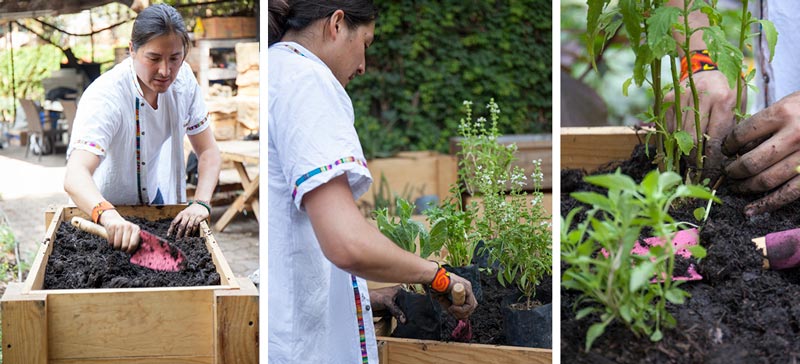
[682, 240]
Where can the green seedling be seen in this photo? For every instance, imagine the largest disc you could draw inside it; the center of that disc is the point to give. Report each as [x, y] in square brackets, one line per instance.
[621, 286]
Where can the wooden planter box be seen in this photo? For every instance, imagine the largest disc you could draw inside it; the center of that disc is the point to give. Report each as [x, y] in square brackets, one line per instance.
[421, 173]
[208, 324]
[392, 350]
[591, 147]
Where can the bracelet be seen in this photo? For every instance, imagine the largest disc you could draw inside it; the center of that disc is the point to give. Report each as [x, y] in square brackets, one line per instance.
[701, 61]
[205, 204]
[98, 210]
[441, 281]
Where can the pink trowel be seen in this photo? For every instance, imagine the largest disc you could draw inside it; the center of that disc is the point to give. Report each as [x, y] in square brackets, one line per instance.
[780, 249]
[153, 252]
[463, 331]
[681, 241]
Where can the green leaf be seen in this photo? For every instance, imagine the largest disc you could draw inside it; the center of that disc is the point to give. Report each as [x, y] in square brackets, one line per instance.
[697, 251]
[584, 312]
[633, 25]
[769, 31]
[617, 181]
[656, 336]
[685, 141]
[592, 198]
[699, 213]
[594, 332]
[675, 296]
[625, 312]
[626, 85]
[641, 275]
[727, 57]
[659, 30]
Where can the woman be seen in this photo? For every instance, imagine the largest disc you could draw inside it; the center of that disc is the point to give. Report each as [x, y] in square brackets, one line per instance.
[128, 133]
[320, 247]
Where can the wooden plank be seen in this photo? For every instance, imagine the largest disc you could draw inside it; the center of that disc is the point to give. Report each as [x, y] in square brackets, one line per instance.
[225, 273]
[250, 192]
[447, 174]
[591, 147]
[408, 351]
[130, 324]
[417, 173]
[152, 212]
[236, 324]
[243, 151]
[35, 279]
[24, 326]
[139, 360]
[89, 291]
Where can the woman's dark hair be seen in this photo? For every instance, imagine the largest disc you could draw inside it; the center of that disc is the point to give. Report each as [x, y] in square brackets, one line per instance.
[155, 21]
[285, 15]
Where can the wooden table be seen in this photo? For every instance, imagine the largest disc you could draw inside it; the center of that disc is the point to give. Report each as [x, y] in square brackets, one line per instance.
[240, 152]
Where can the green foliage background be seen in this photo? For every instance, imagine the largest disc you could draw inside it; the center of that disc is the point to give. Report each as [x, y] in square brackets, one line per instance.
[430, 56]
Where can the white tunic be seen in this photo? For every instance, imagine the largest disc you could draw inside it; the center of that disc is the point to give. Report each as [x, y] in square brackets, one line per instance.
[780, 77]
[140, 148]
[318, 312]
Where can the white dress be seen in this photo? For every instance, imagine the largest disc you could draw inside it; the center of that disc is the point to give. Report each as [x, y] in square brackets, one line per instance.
[140, 148]
[318, 313]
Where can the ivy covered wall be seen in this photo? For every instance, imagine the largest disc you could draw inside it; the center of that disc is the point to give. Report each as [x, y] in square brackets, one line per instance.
[430, 56]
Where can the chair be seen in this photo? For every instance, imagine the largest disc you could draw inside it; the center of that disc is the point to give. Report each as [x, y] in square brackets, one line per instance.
[35, 131]
[70, 109]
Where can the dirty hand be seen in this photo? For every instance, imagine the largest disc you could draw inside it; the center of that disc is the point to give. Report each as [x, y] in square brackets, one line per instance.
[383, 299]
[459, 312]
[122, 234]
[768, 145]
[717, 101]
[188, 221]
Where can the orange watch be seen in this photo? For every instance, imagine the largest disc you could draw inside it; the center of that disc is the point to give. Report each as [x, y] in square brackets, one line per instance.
[98, 210]
[441, 281]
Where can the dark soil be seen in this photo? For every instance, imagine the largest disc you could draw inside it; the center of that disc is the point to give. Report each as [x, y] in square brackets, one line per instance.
[738, 313]
[82, 260]
[487, 320]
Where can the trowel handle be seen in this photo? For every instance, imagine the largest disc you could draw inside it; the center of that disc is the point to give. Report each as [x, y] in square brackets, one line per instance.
[458, 293]
[89, 227]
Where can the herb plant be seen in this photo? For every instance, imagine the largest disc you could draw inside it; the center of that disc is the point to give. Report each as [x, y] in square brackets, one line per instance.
[650, 26]
[621, 286]
[405, 232]
[454, 224]
[516, 232]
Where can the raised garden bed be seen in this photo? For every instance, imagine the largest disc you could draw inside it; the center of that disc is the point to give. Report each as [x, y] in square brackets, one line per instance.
[199, 324]
[738, 312]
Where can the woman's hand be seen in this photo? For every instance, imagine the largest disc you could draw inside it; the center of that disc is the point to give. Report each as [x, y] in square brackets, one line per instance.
[768, 146]
[122, 234]
[188, 221]
[461, 312]
[383, 299]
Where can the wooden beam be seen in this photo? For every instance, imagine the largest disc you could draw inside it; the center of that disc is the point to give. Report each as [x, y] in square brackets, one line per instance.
[35, 279]
[24, 326]
[591, 147]
[225, 273]
[236, 322]
[250, 192]
[139, 360]
[408, 351]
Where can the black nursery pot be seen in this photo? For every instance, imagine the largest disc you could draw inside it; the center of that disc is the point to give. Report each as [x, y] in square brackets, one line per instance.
[530, 328]
[480, 257]
[473, 275]
[422, 317]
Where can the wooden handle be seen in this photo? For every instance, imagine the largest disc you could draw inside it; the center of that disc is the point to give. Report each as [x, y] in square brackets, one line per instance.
[761, 244]
[458, 292]
[89, 227]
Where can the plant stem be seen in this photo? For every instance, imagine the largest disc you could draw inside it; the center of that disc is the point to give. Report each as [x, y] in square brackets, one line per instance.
[695, 98]
[661, 130]
[739, 80]
[676, 87]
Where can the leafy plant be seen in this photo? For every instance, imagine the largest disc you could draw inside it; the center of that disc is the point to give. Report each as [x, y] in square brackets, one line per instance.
[516, 232]
[383, 197]
[621, 286]
[404, 231]
[650, 26]
[455, 221]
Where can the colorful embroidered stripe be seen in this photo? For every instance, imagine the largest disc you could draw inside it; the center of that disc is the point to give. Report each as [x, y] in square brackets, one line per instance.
[91, 144]
[139, 155]
[361, 331]
[319, 170]
[295, 50]
[205, 119]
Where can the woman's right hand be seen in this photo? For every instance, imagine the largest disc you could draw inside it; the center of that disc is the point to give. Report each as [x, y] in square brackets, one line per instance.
[460, 312]
[122, 234]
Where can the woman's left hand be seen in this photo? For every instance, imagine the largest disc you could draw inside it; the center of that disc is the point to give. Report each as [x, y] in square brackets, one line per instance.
[188, 221]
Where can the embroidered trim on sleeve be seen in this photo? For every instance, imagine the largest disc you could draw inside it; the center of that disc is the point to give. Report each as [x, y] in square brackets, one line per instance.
[362, 336]
[328, 167]
[91, 144]
[199, 124]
